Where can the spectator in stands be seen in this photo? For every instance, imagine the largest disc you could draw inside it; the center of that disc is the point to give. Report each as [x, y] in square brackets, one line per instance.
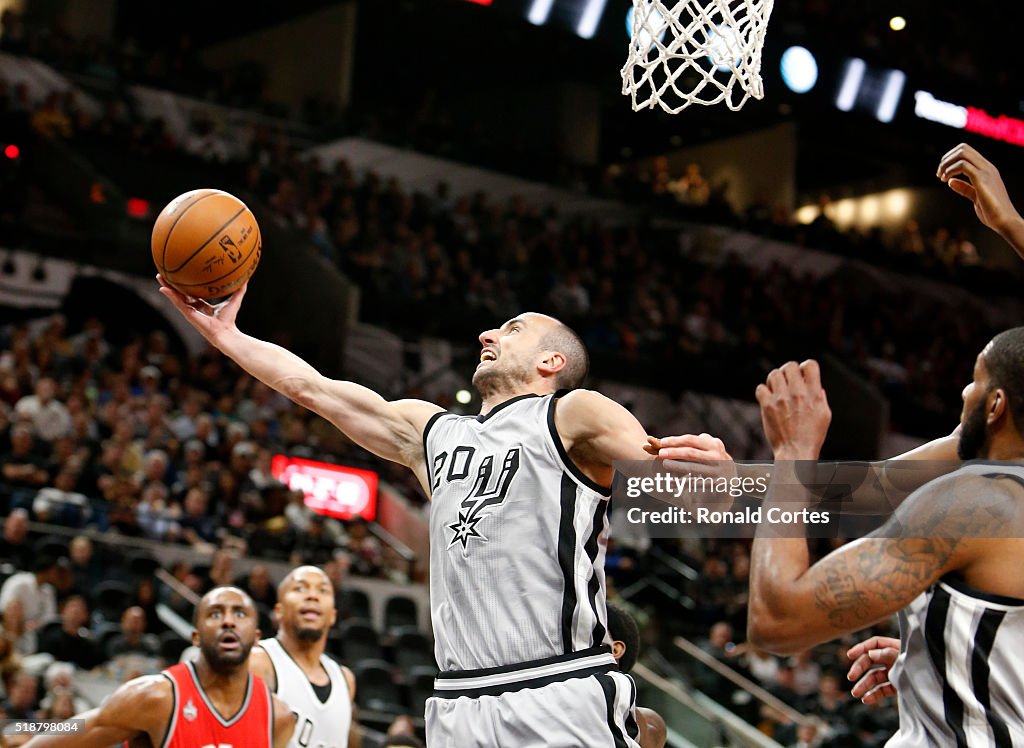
[23, 466]
[49, 416]
[146, 600]
[86, 570]
[16, 632]
[336, 570]
[806, 673]
[763, 665]
[367, 555]
[36, 590]
[259, 586]
[197, 527]
[70, 641]
[315, 546]
[831, 702]
[60, 503]
[10, 660]
[719, 645]
[58, 706]
[133, 639]
[221, 573]
[21, 698]
[15, 547]
[785, 680]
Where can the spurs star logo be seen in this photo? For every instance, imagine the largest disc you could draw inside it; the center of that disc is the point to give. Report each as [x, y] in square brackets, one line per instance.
[487, 491]
[465, 529]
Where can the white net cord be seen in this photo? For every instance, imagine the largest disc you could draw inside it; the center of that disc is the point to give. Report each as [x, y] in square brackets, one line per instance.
[695, 52]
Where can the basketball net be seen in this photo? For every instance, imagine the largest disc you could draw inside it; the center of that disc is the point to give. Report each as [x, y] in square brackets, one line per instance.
[695, 52]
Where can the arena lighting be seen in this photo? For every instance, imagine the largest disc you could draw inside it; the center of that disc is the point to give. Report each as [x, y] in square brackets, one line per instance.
[799, 70]
[897, 23]
[1008, 129]
[655, 21]
[463, 397]
[590, 18]
[853, 76]
[12, 151]
[330, 490]
[539, 12]
[895, 79]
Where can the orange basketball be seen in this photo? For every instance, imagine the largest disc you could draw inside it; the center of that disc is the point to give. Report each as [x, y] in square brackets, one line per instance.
[206, 243]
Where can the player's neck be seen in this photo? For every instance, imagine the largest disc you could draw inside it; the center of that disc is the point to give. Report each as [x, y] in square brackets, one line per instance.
[229, 685]
[305, 653]
[1005, 449]
[494, 399]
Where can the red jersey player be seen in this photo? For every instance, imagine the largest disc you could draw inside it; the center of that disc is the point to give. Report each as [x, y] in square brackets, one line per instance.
[212, 703]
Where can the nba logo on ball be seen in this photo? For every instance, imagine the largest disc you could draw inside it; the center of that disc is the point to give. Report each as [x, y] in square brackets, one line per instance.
[206, 243]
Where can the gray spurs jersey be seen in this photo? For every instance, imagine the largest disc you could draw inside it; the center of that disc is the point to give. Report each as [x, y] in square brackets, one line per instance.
[960, 675]
[517, 539]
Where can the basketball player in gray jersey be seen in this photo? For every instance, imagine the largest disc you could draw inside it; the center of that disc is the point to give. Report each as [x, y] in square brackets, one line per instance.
[948, 562]
[518, 526]
[318, 690]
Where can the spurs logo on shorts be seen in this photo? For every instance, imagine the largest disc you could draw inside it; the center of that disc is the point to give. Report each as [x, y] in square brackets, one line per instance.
[487, 491]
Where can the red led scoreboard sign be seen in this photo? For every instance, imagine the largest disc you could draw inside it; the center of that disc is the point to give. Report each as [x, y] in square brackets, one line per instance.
[331, 490]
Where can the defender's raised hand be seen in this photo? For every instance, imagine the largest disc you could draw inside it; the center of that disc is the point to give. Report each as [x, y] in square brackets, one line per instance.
[794, 411]
[985, 189]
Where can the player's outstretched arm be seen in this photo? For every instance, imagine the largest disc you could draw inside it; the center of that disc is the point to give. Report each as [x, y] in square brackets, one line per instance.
[986, 190]
[872, 660]
[142, 705]
[596, 431]
[392, 430]
[793, 605]
[284, 723]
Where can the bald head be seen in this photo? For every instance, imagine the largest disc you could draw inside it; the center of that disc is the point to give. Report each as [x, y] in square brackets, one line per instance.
[225, 629]
[305, 608]
[301, 572]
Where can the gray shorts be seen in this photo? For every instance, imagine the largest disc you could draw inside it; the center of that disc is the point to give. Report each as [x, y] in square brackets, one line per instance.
[590, 707]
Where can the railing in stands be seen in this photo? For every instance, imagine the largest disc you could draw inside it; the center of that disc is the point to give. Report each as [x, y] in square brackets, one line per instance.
[706, 723]
[739, 680]
[686, 574]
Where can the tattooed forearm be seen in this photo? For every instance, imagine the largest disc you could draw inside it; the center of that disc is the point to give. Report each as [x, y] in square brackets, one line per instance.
[874, 577]
[877, 574]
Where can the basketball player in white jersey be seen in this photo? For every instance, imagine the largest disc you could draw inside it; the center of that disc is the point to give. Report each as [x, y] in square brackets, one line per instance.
[948, 561]
[518, 526]
[318, 690]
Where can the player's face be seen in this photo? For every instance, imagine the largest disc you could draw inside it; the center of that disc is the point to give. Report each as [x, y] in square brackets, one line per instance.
[507, 358]
[306, 607]
[226, 629]
[973, 419]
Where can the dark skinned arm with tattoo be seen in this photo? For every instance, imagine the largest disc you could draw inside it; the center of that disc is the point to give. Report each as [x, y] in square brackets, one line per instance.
[939, 529]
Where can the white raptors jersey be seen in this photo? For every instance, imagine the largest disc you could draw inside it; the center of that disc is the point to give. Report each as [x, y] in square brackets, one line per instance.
[517, 539]
[318, 724]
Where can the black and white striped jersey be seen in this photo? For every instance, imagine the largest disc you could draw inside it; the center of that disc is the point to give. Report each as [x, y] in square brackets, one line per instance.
[517, 539]
[960, 675]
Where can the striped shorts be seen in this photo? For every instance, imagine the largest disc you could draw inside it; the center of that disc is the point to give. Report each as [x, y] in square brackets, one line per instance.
[572, 701]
